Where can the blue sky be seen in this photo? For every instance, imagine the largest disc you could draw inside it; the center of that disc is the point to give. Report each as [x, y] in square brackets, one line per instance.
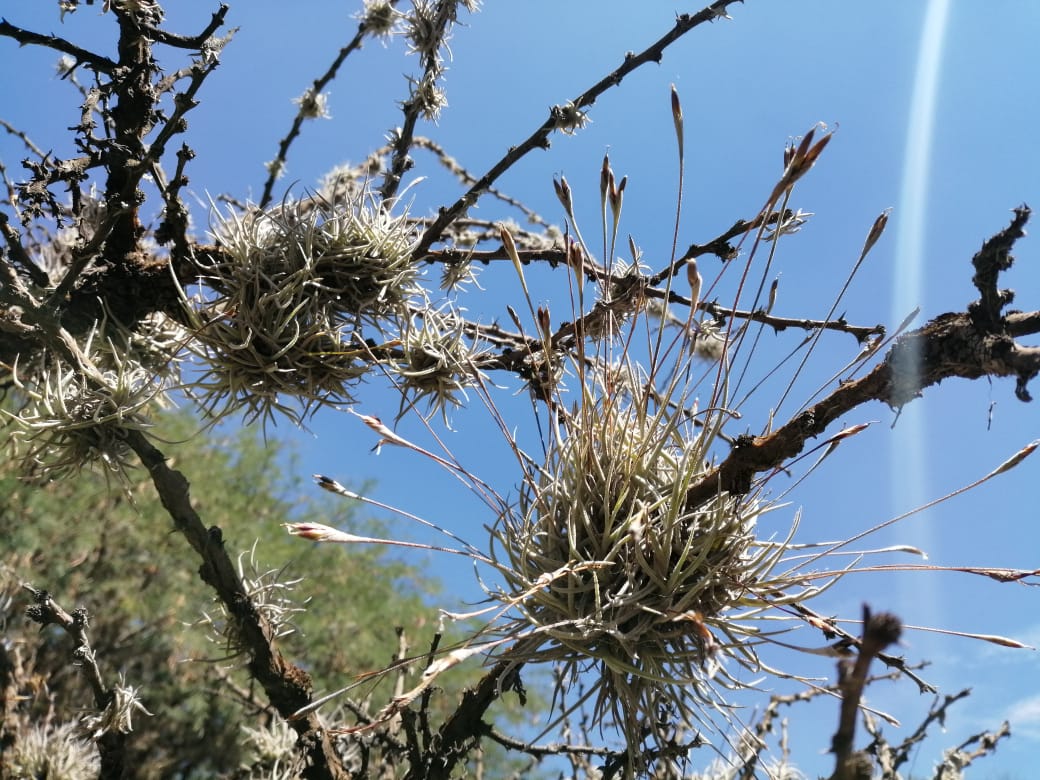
[748, 85]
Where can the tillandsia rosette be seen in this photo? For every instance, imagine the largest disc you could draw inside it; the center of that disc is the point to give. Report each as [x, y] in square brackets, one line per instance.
[285, 296]
[608, 566]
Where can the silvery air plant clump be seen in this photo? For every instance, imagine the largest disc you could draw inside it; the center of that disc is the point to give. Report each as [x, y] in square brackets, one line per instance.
[288, 289]
[609, 569]
[74, 418]
[436, 361]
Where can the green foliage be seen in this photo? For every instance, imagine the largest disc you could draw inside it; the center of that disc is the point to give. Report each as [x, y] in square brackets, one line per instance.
[116, 554]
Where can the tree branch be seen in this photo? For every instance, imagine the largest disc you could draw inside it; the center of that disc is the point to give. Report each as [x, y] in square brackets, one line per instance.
[465, 726]
[111, 740]
[994, 257]
[879, 631]
[287, 686]
[950, 345]
[24, 37]
[539, 139]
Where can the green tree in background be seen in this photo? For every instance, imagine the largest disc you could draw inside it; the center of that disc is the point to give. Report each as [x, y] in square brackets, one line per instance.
[118, 556]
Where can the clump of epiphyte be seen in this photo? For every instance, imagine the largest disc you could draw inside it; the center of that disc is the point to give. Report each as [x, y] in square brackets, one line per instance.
[271, 597]
[73, 418]
[156, 342]
[346, 183]
[455, 276]
[709, 339]
[273, 751]
[57, 752]
[380, 18]
[54, 252]
[569, 118]
[706, 337]
[275, 168]
[436, 361]
[623, 296]
[608, 565]
[292, 284]
[117, 717]
[428, 95]
[363, 256]
[313, 105]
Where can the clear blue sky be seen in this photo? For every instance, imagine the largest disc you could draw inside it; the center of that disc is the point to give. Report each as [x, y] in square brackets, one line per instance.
[748, 85]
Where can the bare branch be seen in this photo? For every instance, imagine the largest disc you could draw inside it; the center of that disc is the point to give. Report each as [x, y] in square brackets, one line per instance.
[951, 345]
[287, 686]
[539, 139]
[994, 257]
[111, 736]
[879, 631]
[278, 164]
[95, 61]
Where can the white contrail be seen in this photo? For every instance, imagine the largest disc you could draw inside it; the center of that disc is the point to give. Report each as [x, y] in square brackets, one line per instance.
[909, 477]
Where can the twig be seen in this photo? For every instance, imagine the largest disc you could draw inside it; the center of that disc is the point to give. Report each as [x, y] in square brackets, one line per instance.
[278, 164]
[287, 686]
[422, 142]
[956, 760]
[539, 139]
[994, 257]
[23, 138]
[112, 741]
[948, 346]
[465, 726]
[95, 61]
[879, 631]
[185, 42]
[19, 255]
[544, 751]
[891, 758]
[434, 23]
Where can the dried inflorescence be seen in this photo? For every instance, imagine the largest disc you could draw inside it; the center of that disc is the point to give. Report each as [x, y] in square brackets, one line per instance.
[292, 287]
[608, 565]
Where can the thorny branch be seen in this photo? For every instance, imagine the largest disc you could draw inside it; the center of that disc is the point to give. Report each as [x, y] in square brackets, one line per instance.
[879, 631]
[539, 139]
[316, 89]
[889, 758]
[112, 741]
[431, 28]
[25, 37]
[465, 726]
[130, 282]
[287, 686]
[951, 345]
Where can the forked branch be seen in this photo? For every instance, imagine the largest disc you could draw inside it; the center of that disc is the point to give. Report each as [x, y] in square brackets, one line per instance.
[951, 345]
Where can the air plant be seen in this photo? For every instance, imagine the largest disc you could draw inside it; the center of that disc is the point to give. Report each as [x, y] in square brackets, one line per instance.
[291, 289]
[623, 563]
[437, 361]
[270, 593]
[606, 564]
[53, 751]
[72, 418]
